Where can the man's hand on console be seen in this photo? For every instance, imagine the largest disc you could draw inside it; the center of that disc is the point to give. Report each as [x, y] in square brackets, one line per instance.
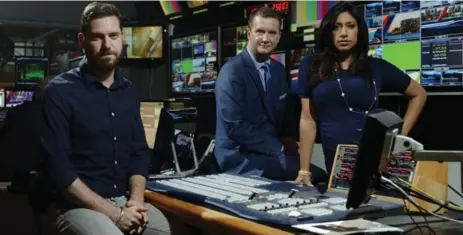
[131, 219]
[304, 177]
[144, 213]
[290, 147]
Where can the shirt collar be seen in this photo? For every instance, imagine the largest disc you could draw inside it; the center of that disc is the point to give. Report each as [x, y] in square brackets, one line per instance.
[256, 63]
[90, 78]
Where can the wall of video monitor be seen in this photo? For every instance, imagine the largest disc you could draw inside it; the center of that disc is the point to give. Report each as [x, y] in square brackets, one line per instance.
[194, 63]
[423, 38]
[235, 39]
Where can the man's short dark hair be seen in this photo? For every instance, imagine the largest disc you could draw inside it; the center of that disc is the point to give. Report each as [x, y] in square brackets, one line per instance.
[97, 10]
[264, 12]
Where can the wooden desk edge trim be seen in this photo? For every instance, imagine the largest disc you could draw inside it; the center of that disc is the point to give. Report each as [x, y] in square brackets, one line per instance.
[183, 208]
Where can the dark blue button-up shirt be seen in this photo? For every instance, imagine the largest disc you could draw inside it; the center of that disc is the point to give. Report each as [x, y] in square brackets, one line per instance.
[93, 132]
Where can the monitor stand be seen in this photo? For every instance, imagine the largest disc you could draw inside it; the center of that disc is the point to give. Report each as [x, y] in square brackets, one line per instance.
[178, 171]
[193, 151]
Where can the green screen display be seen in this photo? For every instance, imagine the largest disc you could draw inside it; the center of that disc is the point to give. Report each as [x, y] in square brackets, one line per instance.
[33, 71]
[406, 56]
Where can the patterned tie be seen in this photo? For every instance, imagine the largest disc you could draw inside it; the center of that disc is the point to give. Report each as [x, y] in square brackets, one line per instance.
[267, 78]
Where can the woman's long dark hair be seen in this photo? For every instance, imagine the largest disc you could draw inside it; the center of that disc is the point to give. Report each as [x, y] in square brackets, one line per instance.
[326, 57]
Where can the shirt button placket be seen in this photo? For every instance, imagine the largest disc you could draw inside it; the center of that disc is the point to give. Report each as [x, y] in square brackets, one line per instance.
[115, 139]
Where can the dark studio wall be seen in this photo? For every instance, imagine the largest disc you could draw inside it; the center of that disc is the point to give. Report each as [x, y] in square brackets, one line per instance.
[58, 14]
[439, 126]
[150, 77]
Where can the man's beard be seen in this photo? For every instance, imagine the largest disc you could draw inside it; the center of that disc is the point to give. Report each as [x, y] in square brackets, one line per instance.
[99, 65]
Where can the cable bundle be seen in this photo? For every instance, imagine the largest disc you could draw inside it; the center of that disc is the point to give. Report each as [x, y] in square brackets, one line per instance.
[417, 193]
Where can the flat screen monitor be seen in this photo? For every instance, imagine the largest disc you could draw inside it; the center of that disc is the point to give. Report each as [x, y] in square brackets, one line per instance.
[142, 42]
[280, 57]
[194, 63]
[2, 98]
[235, 39]
[373, 154]
[149, 112]
[296, 56]
[14, 98]
[30, 70]
[423, 38]
[196, 3]
[172, 151]
[170, 7]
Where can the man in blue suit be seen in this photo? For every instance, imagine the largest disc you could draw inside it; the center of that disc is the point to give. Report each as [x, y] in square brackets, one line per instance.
[251, 94]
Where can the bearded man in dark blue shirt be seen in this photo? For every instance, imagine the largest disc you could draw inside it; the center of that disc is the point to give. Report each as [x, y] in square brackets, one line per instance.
[93, 140]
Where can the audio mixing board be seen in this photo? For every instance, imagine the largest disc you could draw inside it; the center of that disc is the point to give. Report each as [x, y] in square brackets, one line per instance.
[267, 201]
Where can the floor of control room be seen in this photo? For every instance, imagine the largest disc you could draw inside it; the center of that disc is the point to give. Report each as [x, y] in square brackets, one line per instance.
[16, 217]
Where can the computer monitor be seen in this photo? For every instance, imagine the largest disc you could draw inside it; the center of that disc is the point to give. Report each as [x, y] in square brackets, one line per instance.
[14, 97]
[171, 7]
[31, 70]
[174, 150]
[374, 148]
[280, 57]
[196, 3]
[194, 63]
[2, 98]
[235, 40]
[142, 42]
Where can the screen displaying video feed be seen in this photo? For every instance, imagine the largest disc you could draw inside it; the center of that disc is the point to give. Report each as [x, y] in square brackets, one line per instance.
[415, 75]
[280, 57]
[235, 39]
[442, 52]
[142, 42]
[194, 63]
[196, 3]
[441, 18]
[449, 77]
[295, 59]
[2, 98]
[423, 38]
[14, 98]
[170, 7]
[150, 112]
[31, 69]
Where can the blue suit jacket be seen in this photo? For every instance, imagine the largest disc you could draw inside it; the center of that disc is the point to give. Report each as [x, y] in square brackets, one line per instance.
[248, 126]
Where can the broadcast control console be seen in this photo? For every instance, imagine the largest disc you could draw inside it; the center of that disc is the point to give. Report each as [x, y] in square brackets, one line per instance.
[266, 201]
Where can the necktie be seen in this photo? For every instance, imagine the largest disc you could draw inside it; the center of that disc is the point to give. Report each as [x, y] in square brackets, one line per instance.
[267, 77]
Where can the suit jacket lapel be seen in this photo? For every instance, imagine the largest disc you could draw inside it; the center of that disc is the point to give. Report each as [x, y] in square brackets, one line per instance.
[251, 69]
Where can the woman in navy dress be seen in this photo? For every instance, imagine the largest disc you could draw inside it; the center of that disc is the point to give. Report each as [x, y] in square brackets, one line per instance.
[339, 85]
